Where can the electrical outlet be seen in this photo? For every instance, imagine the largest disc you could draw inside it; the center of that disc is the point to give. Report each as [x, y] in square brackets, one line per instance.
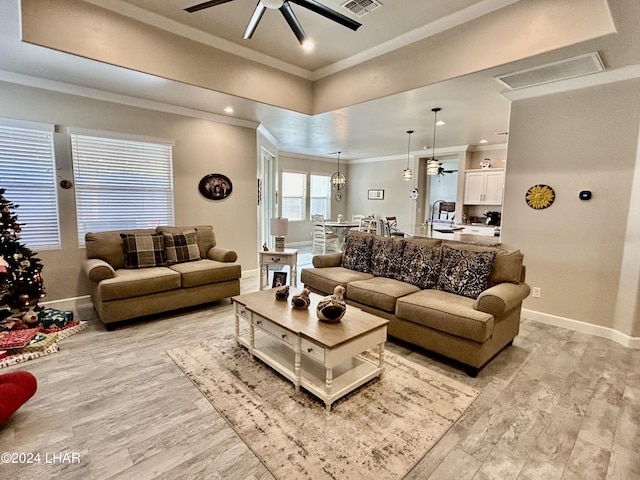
[537, 291]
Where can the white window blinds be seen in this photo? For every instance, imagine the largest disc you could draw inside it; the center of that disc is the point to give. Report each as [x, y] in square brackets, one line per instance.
[293, 195]
[28, 174]
[121, 183]
[320, 186]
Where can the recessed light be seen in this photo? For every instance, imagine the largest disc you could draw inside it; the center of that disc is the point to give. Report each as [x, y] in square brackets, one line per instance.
[228, 109]
[484, 140]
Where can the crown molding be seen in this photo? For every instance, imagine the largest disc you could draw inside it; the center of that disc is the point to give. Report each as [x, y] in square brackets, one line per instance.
[172, 26]
[442, 24]
[95, 94]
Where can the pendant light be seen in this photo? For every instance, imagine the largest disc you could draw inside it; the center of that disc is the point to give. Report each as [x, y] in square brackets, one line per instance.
[338, 180]
[407, 176]
[433, 166]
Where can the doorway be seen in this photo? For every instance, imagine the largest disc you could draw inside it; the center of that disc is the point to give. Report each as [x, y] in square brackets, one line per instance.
[266, 197]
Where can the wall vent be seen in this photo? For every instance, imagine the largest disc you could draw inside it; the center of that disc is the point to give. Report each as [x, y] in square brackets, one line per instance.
[361, 7]
[552, 72]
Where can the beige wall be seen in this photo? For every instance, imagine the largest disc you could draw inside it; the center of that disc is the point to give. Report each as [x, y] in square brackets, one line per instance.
[300, 232]
[86, 30]
[577, 251]
[201, 147]
[521, 30]
[385, 175]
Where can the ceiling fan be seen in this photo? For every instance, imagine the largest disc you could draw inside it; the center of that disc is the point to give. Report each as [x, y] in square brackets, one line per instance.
[442, 170]
[287, 13]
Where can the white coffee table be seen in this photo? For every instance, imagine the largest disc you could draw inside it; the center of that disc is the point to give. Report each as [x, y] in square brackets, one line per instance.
[323, 358]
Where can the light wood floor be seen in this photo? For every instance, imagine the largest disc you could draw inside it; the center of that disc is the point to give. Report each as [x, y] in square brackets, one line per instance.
[556, 405]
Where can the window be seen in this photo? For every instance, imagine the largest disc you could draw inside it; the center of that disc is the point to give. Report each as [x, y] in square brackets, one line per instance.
[320, 186]
[294, 186]
[28, 174]
[121, 183]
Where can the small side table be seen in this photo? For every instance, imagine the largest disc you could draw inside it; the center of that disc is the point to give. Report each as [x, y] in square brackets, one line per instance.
[288, 257]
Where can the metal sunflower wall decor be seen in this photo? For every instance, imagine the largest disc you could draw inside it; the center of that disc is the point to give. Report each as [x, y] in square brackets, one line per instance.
[540, 196]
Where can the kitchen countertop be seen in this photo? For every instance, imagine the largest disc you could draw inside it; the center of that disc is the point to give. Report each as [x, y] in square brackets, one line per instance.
[418, 231]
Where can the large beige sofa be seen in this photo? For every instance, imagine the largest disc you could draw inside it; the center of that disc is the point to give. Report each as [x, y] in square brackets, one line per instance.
[194, 272]
[458, 300]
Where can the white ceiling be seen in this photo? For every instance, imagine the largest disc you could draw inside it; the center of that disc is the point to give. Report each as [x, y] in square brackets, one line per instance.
[472, 106]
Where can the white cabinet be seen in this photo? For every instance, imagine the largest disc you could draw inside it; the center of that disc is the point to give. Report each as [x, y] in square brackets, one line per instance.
[483, 187]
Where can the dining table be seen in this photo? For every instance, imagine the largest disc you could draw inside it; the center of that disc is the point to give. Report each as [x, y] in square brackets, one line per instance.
[341, 228]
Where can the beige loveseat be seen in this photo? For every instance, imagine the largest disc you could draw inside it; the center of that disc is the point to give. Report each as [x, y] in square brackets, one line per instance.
[140, 272]
[458, 300]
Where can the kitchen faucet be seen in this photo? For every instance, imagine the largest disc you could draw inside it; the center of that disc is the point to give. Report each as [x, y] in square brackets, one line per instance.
[433, 209]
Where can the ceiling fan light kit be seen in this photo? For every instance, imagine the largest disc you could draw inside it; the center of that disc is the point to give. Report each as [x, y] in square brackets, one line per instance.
[287, 12]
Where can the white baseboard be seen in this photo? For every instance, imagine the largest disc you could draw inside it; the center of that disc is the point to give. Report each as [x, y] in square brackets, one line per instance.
[64, 300]
[583, 327]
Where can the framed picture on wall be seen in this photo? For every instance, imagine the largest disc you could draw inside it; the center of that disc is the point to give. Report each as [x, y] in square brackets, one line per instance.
[215, 186]
[375, 194]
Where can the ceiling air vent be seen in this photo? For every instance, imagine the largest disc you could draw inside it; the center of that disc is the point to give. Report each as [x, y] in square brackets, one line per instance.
[361, 7]
[552, 72]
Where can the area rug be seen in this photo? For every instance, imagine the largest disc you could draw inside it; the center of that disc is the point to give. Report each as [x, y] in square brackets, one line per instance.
[379, 431]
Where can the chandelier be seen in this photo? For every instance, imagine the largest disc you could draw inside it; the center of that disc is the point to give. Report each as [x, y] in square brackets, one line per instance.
[338, 180]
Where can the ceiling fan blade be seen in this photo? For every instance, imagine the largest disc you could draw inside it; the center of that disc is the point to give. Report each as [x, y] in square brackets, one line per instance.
[202, 6]
[255, 19]
[293, 22]
[328, 13]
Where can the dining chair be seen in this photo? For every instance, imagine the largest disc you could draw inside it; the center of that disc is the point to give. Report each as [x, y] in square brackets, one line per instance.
[357, 217]
[365, 223]
[322, 237]
[392, 227]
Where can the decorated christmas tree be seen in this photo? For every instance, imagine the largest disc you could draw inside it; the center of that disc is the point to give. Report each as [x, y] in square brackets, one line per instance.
[20, 279]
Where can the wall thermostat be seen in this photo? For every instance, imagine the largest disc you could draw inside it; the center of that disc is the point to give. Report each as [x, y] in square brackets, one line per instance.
[585, 195]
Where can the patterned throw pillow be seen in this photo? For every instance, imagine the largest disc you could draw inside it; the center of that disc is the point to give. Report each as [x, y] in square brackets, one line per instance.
[465, 272]
[357, 253]
[142, 251]
[421, 265]
[386, 257]
[181, 247]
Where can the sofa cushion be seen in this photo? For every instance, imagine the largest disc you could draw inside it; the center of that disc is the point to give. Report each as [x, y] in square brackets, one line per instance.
[386, 253]
[507, 267]
[143, 251]
[181, 247]
[107, 246]
[206, 237]
[134, 283]
[421, 265]
[357, 252]
[379, 292]
[327, 278]
[465, 272]
[447, 312]
[204, 272]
